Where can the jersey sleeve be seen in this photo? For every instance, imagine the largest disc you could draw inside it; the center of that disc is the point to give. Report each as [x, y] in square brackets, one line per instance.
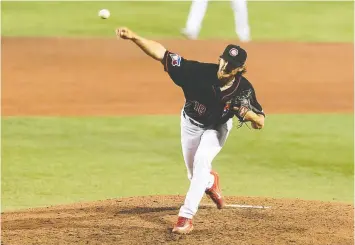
[246, 85]
[254, 102]
[177, 67]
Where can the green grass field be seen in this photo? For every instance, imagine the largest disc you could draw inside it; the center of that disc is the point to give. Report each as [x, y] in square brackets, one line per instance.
[62, 160]
[282, 21]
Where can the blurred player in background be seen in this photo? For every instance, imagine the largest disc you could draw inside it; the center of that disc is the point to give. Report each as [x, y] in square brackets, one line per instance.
[198, 10]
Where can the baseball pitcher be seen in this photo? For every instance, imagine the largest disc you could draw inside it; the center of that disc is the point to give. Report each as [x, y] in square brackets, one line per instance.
[214, 94]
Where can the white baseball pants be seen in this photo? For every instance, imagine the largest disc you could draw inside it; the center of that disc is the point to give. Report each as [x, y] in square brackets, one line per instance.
[197, 12]
[199, 147]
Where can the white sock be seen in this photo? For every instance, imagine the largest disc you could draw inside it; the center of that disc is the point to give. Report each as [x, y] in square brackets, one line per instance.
[210, 181]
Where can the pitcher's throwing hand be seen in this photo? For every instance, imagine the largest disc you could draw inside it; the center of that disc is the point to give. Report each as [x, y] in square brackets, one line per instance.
[124, 33]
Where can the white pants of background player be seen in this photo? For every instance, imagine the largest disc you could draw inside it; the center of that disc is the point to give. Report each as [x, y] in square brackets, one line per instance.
[200, 147]
[198, 10]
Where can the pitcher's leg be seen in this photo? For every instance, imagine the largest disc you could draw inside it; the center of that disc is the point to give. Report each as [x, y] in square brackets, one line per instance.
[210, 145]
[240, 10]
[190, 140]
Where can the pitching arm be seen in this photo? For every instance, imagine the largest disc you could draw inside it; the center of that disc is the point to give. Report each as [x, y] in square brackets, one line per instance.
[150, 47]
[257, 120]
[256, 115]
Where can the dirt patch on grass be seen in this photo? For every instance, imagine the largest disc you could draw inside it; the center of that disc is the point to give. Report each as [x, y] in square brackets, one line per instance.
[148, 220]
[56, 76]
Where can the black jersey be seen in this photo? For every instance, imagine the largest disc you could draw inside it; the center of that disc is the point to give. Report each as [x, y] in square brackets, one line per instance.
[205, 102]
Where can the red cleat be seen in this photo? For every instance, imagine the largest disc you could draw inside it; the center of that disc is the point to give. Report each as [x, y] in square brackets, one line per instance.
[183, 226]
[215, 192]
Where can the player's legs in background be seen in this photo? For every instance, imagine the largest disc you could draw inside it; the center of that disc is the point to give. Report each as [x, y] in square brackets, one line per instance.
[240, 10]
[190, 140]
[211, 143]
[194, 21]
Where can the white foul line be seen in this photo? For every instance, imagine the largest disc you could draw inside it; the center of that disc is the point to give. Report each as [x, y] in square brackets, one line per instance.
[237, 206]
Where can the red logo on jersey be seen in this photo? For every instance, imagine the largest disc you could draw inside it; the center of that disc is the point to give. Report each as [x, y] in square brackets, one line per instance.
[226, 108]
[175, 59]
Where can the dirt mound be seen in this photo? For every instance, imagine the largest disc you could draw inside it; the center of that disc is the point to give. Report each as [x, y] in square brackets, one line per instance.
[148, 220]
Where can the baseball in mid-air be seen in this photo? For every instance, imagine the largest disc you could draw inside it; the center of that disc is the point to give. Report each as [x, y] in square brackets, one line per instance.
[104, 13]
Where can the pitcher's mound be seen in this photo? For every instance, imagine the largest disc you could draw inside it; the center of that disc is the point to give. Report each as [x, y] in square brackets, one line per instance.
[148, 220]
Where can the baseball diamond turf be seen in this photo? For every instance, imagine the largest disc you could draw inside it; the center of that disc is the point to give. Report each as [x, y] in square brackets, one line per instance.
[63, 160]
[281, 21]
[58, 160]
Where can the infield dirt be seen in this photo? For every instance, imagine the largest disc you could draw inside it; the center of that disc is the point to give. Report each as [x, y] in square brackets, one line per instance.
[110, 77]
[78, 77]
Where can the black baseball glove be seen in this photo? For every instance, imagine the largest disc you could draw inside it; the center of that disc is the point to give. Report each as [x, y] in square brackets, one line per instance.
[243, 101]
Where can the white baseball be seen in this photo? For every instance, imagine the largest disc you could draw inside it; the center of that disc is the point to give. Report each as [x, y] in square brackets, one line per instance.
[104, 13]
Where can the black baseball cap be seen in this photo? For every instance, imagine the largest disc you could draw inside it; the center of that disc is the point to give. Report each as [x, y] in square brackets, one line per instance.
[234, 55]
